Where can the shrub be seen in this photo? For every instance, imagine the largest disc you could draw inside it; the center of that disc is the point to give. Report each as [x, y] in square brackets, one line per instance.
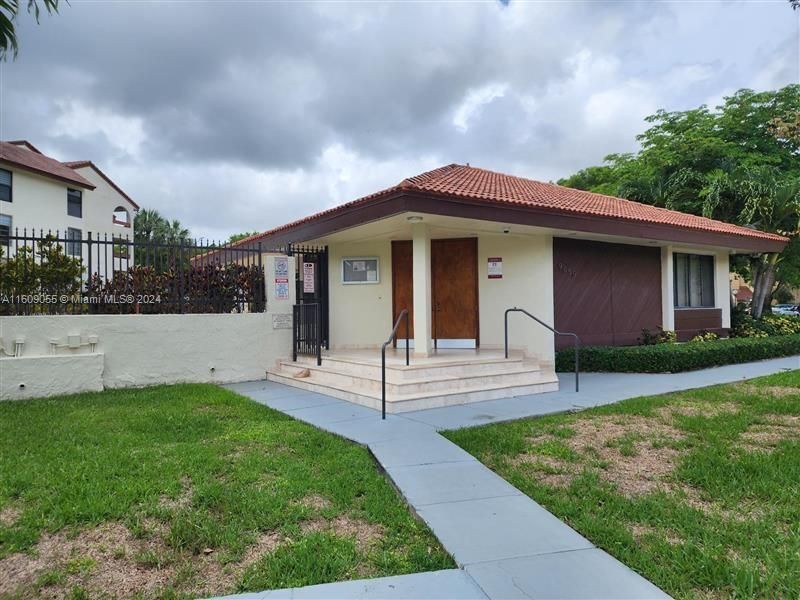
[674, 358]
[659, 336]
[743, 325]
[705, 336]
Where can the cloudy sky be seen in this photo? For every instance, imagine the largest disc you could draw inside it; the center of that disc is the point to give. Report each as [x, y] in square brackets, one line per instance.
[234, 116]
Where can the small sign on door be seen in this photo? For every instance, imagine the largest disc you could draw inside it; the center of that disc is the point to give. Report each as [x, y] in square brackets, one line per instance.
[308, 278]
[495, 267]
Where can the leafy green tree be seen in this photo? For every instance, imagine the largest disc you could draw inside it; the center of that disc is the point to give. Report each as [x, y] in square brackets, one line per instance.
[236, 237]
[9, 10]
[738, 163]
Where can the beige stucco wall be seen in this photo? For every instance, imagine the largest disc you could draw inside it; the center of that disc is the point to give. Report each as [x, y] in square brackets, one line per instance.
[527, 283]
[41, 203]
[360, 314]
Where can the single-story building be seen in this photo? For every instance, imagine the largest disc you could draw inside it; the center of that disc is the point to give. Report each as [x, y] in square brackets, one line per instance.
[458, 245]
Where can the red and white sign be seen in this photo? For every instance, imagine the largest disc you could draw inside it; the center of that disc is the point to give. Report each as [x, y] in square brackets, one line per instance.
[495, 267]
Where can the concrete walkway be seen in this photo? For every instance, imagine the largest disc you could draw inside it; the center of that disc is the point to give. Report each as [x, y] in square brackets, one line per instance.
[506, 545]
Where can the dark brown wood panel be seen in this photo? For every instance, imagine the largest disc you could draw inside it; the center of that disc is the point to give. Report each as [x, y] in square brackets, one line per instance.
[454, 274]
[403, 283]
[582, 292]
[635, 291]
[691, 321]
[606, 293]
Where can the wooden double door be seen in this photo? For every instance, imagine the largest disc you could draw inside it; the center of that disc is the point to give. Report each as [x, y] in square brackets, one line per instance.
[454, 281]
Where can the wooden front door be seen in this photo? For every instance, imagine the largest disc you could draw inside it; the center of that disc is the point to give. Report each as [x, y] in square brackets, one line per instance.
[454, 274]
[454, 277]
[403, 284]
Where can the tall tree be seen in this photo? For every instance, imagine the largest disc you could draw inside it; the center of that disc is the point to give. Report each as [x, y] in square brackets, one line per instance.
[9, 11]
[720, 163]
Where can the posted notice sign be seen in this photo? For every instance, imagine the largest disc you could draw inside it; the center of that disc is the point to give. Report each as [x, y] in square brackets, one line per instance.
[495, 267]
[308, 278]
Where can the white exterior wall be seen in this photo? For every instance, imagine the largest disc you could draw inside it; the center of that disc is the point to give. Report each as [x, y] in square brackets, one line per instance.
[41, 203]
[360, 314]
[527, 283]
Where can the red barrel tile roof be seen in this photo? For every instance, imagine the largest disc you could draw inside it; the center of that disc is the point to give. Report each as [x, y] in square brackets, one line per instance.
[464, 181]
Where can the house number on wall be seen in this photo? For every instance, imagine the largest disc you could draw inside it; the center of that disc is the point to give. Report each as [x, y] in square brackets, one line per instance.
[565, 269]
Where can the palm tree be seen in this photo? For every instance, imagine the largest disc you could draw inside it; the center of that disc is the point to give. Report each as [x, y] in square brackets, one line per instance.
[175, 233]
[9, 9]
[148, 225]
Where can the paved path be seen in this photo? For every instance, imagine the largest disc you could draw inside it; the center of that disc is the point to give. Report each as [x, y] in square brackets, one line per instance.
[506, 545]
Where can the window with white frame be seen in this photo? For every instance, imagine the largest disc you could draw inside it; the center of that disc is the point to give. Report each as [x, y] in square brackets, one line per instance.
[694, 280]
[360, 270]
[74, 237]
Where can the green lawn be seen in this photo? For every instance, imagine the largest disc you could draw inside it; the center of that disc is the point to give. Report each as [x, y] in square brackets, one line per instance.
[190, 490]
[698, 491]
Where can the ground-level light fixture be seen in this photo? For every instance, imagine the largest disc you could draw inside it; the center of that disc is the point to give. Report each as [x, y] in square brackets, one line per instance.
[414, 219]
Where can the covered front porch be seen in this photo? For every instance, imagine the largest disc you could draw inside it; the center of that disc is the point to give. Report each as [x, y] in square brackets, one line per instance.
[445, 283]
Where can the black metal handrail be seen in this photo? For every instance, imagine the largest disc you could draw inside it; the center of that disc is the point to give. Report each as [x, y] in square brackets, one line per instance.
[392, 336]
[307, 331]
[576, 339]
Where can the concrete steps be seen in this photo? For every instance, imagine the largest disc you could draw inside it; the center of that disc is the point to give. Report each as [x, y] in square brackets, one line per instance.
[423, 384]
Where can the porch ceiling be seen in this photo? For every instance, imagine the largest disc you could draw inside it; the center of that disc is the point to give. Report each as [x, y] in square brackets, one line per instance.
[398, 227]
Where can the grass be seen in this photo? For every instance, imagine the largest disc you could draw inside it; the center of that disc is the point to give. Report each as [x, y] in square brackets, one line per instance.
[190, 490]
[697, 491]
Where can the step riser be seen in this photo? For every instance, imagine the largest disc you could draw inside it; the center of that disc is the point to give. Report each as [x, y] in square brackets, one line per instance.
[434, 401]
[397, 374]
[373, 385]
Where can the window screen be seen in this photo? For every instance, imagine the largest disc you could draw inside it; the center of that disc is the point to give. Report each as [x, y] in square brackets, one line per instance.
[74, 247]
[5, 229]
[74, 203]
[694, 281]
[5, 185]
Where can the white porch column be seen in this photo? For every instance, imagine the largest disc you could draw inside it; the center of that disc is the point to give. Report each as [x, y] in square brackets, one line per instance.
[667, 290]
[722, 293]
[422, 288]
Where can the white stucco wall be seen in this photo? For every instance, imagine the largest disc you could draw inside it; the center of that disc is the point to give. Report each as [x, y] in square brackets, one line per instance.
[360, 314]
[137, 350]
[41, 203]
[527, 283]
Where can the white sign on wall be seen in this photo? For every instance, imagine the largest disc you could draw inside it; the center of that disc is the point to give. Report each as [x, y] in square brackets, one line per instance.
[308, 278]
[495, 267]
[282, 321]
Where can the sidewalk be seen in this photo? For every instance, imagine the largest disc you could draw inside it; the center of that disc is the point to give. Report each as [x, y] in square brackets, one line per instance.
[506, 545]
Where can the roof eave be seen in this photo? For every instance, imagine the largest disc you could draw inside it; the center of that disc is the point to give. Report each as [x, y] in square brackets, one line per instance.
[405, 200]
[42, 173]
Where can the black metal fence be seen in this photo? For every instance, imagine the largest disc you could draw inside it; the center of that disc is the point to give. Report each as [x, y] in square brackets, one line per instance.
[307, 331]
[44, 272]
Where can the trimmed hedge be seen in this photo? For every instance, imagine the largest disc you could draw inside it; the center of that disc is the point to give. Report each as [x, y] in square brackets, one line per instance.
[674, 358]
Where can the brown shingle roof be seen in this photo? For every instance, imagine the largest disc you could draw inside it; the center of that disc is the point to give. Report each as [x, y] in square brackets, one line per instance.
[464, 181]
[28, 160]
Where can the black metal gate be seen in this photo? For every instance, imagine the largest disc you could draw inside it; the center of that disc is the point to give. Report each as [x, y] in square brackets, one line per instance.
[312, 283]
